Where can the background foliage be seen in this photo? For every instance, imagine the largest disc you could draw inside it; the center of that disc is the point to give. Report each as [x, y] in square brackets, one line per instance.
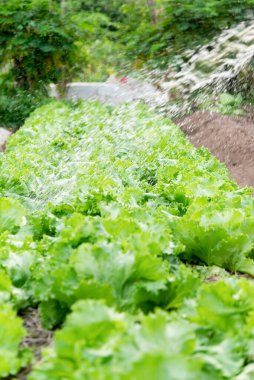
[45, 41]
[37, 47]
[36, 42]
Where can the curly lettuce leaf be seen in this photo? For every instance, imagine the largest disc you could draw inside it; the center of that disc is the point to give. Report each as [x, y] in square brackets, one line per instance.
[218, 232]
[97, 340]
[12, 357]
[12, 215]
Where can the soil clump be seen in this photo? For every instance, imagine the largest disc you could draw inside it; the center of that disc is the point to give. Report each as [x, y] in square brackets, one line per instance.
[229, 138]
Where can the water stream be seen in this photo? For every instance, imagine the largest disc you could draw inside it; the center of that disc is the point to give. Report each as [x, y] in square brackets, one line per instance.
[209, 69]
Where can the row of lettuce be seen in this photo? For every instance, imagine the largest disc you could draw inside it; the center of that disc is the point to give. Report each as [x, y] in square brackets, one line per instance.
[101, 212]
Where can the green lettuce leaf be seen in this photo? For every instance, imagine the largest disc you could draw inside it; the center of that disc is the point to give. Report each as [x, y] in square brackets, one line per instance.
[12, 357]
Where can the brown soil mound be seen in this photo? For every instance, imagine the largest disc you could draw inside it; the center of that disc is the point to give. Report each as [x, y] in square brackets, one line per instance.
[37, 338]
[230, 139]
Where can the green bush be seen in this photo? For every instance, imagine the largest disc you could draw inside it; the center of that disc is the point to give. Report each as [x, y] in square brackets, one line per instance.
[37, 42]
[199, 18]
[37, 48]
[183, 24]
[18, 104]
[100, 51]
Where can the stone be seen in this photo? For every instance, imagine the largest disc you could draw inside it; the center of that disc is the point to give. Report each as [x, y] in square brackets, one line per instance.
[4, 135]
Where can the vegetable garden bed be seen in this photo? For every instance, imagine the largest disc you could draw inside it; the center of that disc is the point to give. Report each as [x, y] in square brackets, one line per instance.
[101, 209]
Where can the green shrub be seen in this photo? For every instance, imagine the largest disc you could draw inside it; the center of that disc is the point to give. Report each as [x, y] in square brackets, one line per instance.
[41, 49]
[182, 24]
[226, 104]
[17, 105]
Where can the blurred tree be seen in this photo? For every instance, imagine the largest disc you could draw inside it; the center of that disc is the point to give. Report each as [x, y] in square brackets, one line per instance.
[36, 42]
[110, 8]
[151, 5]
[160, 29]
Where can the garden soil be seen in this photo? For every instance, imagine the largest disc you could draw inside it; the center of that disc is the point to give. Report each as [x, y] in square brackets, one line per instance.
[230, 139]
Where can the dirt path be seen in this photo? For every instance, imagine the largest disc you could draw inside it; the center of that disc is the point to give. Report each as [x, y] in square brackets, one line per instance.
[231, 139]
